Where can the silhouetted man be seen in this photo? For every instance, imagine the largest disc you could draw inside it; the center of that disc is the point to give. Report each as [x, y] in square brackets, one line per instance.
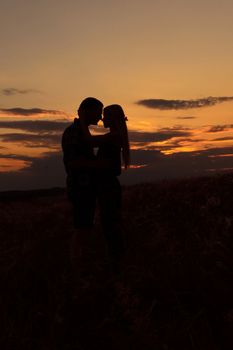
[81, 178]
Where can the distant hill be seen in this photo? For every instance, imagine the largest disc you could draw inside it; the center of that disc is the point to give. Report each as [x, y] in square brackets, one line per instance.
[174, 290]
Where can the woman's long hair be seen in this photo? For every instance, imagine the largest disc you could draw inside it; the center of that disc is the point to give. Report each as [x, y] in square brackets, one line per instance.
[117, 118]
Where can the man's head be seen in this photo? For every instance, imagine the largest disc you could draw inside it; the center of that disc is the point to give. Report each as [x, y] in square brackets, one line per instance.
[90, 110]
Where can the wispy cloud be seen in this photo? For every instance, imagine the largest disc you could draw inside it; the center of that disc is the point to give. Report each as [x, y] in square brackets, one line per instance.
[14, 91]
[47, 140]
[30, 111]
[163, 104]
[42, 126]
[15, 156]
[188, 117]
[227, 138]
[219, 128]
[46, 126]
[160, 135]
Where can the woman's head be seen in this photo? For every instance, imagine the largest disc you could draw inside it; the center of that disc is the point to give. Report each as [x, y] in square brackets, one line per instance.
[113, 116]
[115, 119]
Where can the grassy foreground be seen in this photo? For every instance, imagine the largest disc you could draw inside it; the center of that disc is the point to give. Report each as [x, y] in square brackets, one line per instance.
[175, 289]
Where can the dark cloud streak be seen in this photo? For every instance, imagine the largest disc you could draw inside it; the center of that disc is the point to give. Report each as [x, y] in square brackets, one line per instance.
[220, 128]
[17, 157]
[35, 125]
[30, 111]
[44, 126]
[186, 117]
[33, 140]
[161, 135]
[227, 138]
[163, 104]
[14, 91]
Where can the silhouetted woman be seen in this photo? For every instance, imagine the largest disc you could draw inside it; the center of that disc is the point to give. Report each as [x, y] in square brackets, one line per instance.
[113, 149]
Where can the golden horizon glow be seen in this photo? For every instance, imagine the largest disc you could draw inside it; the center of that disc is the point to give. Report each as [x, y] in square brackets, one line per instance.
[200, 138]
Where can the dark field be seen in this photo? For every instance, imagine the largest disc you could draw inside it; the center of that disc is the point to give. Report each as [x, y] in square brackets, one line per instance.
[174, 291]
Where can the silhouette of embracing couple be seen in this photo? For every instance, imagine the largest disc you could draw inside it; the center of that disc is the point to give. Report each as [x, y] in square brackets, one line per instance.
[93, 178]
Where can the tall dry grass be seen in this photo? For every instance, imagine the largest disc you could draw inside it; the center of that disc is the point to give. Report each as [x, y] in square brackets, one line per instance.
[175, 288]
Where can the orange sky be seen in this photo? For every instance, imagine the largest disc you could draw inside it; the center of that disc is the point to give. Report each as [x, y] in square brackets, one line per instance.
[58, 52]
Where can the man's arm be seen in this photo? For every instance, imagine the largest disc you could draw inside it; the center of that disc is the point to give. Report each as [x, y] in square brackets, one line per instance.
[73, 162]
[106, 139]
[99, 140]
[82, 163]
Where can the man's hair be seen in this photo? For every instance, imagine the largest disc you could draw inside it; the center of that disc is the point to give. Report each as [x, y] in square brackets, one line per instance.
[90, 103]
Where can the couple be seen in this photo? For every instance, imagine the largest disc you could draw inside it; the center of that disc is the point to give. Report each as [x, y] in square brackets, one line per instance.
[92, 178]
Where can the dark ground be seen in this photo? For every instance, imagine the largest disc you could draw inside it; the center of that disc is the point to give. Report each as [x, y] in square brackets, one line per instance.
[174, 291]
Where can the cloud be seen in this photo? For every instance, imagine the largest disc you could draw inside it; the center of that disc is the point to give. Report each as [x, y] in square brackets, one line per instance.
[140, 156]
[49, 171]
[31, 111]
[163, 104]
[14, 91]
[33, 140]
[227, 138]
[17, 157]
[179, 165]
[188, 117]
[43, 172]
[144, 136]
[46, 126]
[160, 135]
[219, 128]
[43, 126]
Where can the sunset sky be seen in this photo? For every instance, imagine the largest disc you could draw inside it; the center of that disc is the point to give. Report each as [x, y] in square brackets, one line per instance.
[168, 63]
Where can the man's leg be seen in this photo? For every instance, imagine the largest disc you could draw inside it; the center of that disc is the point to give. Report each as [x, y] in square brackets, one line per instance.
[84, 213]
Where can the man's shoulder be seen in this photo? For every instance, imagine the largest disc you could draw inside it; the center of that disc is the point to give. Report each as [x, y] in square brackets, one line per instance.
[71, 129]
[72, 126]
